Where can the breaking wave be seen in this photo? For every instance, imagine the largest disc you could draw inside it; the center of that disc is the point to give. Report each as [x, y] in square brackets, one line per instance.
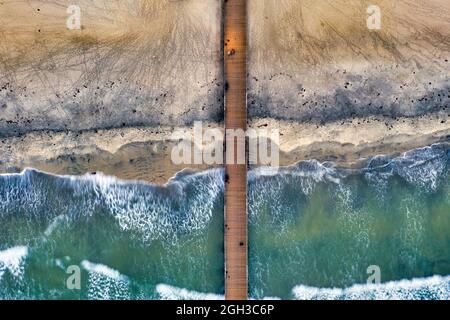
[435, 288]
[187, 203]
[184, 205]
[12, 260]
[167, 292]
[105, 283]
[426, 168]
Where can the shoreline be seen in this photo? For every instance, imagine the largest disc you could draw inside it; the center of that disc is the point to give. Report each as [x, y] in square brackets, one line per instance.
[144, 154]
[127, 153]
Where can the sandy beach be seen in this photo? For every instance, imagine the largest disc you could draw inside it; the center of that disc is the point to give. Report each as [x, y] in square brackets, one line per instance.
[109, 96]
[145, 153]
[132, 63]
[317, 61]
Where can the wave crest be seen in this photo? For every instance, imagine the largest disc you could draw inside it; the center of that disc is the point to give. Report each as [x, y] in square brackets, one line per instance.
[436, 288]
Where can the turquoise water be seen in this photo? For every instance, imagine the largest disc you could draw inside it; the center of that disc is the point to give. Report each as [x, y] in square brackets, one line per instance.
[130, 240]
[313, 232]
[314, 228]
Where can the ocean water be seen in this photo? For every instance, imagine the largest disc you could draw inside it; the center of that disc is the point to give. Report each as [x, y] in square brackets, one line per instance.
[313, 232]
[129, 240]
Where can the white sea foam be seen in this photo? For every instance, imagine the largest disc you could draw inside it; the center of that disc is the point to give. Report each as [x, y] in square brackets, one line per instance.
[184, 205]
[272, 191]
[167, 292]
[436, 287]
[312, 169]
[54, 224]
[12, 260]
[105, 283]
[424, 167]
[103, 270]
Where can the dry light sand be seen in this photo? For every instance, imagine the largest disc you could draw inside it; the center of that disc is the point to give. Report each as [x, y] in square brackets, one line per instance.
[108, 97]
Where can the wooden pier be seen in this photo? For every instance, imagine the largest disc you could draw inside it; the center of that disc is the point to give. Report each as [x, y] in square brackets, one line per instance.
[235, 68]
